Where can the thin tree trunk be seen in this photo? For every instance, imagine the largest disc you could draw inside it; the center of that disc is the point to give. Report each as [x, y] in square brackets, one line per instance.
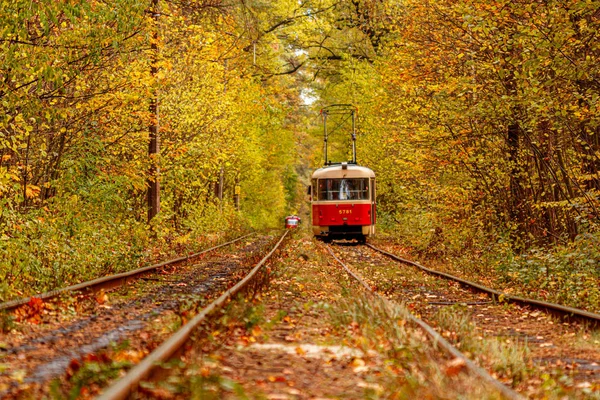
[154, 145]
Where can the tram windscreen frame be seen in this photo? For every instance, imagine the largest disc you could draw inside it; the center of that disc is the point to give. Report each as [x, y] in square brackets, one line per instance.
[343, 189]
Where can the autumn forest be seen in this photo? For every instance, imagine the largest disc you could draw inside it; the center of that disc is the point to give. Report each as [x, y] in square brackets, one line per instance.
[131, 131]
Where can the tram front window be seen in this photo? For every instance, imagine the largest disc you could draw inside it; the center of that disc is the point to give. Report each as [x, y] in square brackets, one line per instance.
[344, 189]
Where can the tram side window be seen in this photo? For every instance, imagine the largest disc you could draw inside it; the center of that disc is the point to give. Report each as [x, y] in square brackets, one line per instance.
[343, 189]
[373, 190]
[325, 189]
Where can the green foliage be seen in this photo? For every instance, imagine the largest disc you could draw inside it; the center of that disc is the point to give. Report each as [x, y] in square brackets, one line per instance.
[215, 387]
[253, 316]
[74, 101]
[54, 249]
[95, 372]
[7, 322]
[491, 101]
[480, 121]
[569, 274]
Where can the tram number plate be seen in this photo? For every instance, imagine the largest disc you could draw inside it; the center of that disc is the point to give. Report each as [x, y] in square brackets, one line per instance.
[345, 211]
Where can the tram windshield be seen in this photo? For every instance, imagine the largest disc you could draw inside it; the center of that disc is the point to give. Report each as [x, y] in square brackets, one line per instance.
[343, 189]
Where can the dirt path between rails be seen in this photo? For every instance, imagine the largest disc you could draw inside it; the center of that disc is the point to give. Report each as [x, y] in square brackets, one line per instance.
[312, 334]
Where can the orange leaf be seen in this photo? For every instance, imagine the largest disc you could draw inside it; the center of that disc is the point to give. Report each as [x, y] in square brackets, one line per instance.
[455, 366]
[256, 331]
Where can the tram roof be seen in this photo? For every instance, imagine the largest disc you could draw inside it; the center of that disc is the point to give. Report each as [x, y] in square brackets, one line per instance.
[336, 171]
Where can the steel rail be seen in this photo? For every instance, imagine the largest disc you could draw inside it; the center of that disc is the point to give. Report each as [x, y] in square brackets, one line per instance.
[110, 281]
[123, 387]
[438, 339]
[571, 312]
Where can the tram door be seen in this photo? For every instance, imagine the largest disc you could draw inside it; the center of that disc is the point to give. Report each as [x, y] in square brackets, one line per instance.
[373, 205]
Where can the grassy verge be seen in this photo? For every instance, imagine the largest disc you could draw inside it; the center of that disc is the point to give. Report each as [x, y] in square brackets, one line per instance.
[50, 252]
[567, 273]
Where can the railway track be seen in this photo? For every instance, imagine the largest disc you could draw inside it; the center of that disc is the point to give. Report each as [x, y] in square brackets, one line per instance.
[559, 345]
[310, 334]
[112, 281]
[142, 315]
[310, 341]
[438, 339]
[568, 312]
[122, 388]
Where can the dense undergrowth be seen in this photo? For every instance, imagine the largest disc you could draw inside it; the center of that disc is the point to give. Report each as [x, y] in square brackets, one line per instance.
[50, 250]
[566, 273]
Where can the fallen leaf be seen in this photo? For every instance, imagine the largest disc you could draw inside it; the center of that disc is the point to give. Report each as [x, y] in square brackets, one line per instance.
[19, 375]
[454, 367]
[358, 362]
[31, 312]
[101, 297]
[278, 396]
[373, 386]
[74, 365]
[158, 393]
[130, 355]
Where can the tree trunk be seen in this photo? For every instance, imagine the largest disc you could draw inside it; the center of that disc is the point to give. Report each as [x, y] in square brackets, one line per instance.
[154, 145]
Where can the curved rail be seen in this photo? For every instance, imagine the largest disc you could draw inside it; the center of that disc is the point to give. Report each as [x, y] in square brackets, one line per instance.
[438, 339]
[123, 387]
[571, 312]
[110, 281]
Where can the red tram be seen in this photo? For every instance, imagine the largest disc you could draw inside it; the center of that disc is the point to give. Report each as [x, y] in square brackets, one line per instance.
[292, 222]
[343, 202]
[342, 193]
